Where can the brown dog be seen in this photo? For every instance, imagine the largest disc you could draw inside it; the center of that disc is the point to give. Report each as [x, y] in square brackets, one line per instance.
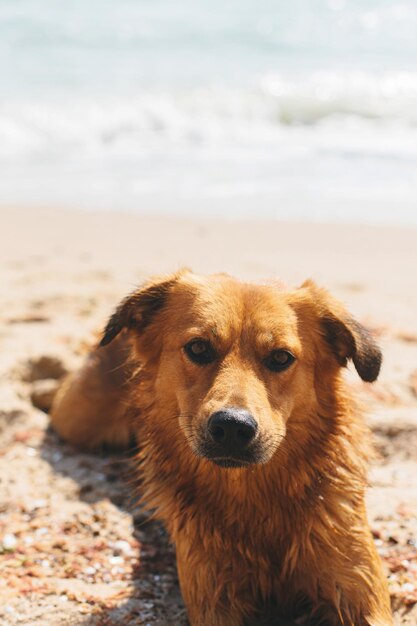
[253, 452]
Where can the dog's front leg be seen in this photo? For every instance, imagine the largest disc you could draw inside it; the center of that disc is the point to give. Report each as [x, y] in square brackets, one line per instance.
[371, 599]
[212, 598]
[362, 597]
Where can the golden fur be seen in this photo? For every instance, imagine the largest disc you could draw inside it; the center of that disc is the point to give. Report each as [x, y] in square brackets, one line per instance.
[285, 538]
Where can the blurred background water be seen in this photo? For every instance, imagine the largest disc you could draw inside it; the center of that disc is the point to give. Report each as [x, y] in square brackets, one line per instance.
[301, 109]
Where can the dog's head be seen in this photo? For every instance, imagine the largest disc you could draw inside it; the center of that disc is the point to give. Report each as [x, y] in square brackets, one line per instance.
[238, 360]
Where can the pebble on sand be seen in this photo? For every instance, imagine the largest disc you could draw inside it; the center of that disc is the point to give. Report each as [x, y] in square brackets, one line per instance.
[43, 393]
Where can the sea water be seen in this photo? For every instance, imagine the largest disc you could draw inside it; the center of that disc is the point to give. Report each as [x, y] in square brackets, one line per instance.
[294, 109]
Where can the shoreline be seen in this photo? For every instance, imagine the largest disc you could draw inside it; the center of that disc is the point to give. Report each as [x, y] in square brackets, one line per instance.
[250, 209]
[178, 214]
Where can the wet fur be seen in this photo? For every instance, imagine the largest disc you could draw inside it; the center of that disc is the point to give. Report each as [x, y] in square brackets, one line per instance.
[273, 542]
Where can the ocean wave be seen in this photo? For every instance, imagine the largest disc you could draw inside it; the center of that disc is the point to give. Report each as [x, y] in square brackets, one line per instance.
[385, 96]
[210, 116]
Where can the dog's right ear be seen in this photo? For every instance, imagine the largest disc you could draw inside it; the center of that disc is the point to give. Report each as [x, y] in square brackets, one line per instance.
[346, 338]
[137, 310]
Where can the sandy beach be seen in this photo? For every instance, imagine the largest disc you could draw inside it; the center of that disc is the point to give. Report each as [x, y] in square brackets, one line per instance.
[74, 546]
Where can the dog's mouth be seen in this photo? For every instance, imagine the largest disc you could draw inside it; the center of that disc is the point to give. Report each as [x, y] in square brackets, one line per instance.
[229, 462]
[229, 455]
[230, 458]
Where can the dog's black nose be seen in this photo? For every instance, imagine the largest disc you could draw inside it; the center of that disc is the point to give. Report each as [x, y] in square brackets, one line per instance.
[232, 429]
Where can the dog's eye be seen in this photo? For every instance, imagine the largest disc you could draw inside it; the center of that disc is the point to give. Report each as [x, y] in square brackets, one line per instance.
[279, 360]
[200, 351]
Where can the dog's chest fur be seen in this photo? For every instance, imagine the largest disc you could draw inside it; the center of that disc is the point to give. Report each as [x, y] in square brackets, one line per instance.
[269, 526]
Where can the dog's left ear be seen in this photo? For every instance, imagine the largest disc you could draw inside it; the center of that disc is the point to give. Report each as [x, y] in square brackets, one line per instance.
[137, 310]
[347, 338]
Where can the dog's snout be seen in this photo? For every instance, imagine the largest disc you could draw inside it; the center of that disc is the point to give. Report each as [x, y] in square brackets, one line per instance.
[233, 429]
